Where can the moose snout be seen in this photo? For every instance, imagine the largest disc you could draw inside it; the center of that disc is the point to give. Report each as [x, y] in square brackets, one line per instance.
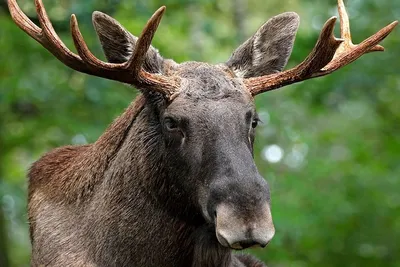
[240, 230]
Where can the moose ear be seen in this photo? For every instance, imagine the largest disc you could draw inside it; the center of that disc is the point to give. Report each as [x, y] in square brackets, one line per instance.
[118, 44]
[268, 50]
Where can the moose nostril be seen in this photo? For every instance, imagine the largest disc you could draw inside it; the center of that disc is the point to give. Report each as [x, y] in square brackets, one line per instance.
[222, 240]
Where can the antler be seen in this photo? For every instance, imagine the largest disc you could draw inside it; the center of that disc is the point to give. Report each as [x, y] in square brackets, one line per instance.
[328, 55]
[130, 72]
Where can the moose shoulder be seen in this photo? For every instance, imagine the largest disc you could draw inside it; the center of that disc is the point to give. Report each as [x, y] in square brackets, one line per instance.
[172, 182]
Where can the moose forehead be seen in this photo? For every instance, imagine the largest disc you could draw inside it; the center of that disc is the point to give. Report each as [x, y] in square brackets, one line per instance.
[211, 95]
[203, 81]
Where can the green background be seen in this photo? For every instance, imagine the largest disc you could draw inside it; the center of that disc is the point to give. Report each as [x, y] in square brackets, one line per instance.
[329, 147]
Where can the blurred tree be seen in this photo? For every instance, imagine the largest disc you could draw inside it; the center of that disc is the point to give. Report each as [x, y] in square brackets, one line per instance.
[3, 233]
[328, 147]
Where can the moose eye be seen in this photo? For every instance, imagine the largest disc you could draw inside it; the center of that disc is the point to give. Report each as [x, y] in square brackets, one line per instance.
[171, 124]
[254, 123]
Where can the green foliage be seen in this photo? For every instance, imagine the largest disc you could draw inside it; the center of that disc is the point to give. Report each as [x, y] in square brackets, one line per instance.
[335, 141]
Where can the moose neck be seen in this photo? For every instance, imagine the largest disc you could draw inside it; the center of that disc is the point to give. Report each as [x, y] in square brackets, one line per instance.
[139, 165]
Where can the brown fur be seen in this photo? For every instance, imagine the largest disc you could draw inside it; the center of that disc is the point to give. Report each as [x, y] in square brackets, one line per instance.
[63, 173]
[68, 186]
[146, 194]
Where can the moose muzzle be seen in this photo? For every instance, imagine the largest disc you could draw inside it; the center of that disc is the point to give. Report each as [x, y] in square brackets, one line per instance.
[240, 229]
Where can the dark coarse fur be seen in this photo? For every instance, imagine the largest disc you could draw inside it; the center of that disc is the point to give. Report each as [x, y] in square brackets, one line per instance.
[147, 195]
[104, 205]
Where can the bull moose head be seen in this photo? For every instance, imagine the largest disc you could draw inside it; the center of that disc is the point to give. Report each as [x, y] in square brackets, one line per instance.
[185, 149]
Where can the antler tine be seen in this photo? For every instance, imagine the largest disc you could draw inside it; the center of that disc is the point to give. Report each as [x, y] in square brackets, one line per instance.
[53, 43]
[23, 22]
[143, 43]
[322, 53]
[129, 72]
[370, 44]
[46, 35]
[87, 56]
[349, 52]
[328, 55]
[344, 23]
[345, 28]
[135, 63]
[47, 29]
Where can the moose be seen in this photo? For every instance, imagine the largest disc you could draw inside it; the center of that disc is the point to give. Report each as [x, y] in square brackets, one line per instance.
[172, 181]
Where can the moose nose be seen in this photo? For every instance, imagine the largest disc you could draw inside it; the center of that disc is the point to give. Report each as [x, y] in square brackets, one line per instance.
[242, 244]
[240, 230]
